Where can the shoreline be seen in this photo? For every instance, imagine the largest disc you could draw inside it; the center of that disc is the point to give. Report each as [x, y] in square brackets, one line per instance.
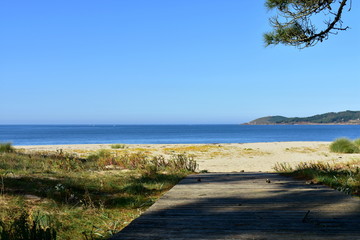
[158, 144]
[222, 157]
[301, 124]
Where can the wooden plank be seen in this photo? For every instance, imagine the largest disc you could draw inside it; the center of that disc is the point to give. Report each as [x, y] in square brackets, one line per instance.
[246, 206]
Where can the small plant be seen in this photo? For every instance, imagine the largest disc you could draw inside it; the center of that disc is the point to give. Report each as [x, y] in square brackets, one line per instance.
[344, 145]
[68, 164]
[183, 162]
[26, 229]
[6, 147]
[118, 146]
[159, 162]
[283, 167]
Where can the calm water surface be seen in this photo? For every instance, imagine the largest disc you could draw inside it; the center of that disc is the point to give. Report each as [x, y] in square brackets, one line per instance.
[83, 134]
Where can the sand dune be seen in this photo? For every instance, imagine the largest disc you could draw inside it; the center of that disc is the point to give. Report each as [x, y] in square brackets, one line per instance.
[228, 157]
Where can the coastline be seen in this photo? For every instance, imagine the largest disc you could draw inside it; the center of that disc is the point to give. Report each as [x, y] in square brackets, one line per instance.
[303, 123]
[222, 157]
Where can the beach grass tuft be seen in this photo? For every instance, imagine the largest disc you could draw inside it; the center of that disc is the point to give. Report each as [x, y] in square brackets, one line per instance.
[344, 145]
[118, 146]
[6, 147]
[344, 177]
[283, 167]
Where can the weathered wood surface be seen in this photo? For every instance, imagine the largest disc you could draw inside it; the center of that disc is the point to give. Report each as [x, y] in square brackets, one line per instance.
[246, 206]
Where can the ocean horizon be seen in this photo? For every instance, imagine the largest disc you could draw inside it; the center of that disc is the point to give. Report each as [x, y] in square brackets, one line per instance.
[58, 134]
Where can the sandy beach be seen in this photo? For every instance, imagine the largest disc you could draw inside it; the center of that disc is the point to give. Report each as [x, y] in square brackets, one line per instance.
[229, 157]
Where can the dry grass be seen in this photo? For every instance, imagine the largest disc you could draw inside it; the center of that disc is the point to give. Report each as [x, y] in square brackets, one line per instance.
[219, 154]
[302, 149]
[138, 149]
[252, 152]
[192, 148]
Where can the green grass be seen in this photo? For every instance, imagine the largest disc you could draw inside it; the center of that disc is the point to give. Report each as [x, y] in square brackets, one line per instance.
[82, 198]
[118, 146]
[6, 147]
[38, 228]
[344, 145]
[344, 177]
[357, 142]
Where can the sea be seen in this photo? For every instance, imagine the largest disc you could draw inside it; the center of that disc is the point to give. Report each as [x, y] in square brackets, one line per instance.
[168, 134]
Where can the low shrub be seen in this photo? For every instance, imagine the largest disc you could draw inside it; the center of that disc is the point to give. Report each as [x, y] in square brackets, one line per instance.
[102, 158]
[344, 145]
[133, 161]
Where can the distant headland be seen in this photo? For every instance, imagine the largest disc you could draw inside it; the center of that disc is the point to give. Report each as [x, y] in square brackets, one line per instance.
[331, 118]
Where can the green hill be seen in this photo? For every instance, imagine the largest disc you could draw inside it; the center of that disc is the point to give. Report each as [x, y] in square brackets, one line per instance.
[346, 117]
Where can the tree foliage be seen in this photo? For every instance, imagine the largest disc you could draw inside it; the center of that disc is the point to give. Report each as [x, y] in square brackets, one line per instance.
[297, 21]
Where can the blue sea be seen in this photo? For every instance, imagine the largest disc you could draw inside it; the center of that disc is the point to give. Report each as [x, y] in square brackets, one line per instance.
[152, 134]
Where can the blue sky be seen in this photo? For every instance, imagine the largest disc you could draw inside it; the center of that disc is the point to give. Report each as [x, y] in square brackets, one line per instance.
[161, 61]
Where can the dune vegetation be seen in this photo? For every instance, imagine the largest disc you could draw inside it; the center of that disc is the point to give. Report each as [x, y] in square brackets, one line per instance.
[57, 195]
[345, 145]
[344, 177]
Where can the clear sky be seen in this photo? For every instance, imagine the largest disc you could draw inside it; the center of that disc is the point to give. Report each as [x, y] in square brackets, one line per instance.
[161, 61]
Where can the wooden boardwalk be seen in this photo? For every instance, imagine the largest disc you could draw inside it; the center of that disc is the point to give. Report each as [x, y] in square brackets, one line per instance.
[247, 206]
